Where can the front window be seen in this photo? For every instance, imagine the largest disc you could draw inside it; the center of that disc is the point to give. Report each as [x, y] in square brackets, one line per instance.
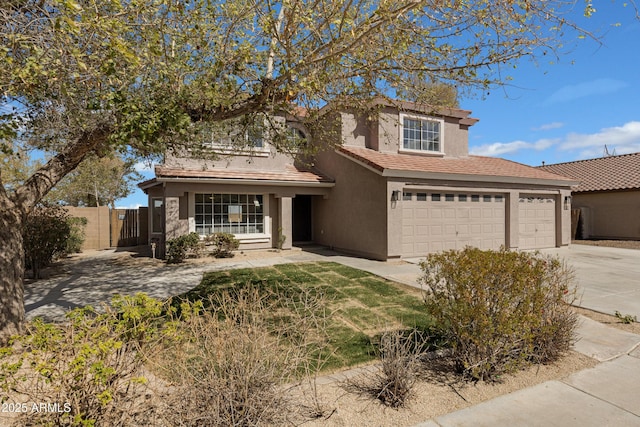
[229, 213]
[421, 134]
[254, 136]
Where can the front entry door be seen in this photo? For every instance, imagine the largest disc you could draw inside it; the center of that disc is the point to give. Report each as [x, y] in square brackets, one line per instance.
[302, 218]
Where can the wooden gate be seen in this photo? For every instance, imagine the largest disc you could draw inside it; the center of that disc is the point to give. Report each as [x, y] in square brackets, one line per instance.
[129, 227]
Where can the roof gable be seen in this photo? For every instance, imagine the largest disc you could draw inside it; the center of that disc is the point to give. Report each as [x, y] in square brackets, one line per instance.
[606, 173]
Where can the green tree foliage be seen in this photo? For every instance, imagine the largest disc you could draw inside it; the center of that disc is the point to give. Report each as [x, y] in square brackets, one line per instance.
[97, 182]
[85, 77]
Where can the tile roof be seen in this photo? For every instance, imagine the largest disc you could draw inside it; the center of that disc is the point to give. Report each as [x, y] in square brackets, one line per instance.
[471, 165]
[288, 174]
[606, 173]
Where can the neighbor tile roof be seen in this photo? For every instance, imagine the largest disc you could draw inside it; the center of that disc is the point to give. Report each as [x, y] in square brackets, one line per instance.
[471, 165]
[288, 174]
[606, 173]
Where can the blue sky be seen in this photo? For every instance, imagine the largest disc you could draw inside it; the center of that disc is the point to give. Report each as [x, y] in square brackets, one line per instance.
[560, 109]
[570, 109]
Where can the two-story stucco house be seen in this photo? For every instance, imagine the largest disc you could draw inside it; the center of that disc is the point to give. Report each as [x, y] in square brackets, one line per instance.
[399, 183]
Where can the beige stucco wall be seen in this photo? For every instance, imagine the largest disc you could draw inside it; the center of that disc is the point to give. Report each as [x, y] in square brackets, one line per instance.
[383, 134]
[266, 158]
[353, 216]
[612, 215]
[97, 231]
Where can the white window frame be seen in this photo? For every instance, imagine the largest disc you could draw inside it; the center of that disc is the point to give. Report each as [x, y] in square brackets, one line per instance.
[401, 147]
[266, 229]
[222, 147]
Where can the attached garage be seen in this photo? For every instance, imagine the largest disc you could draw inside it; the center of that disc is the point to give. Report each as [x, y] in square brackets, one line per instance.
[537, 221]
[437, 221]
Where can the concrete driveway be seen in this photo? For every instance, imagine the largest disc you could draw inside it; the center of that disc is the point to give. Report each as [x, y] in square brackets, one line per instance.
[608, 278]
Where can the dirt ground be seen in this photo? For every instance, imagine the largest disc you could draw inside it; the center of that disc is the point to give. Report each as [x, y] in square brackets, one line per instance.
[438, 391]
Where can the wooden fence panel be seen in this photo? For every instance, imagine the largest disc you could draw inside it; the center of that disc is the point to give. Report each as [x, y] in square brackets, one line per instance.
[124, 227]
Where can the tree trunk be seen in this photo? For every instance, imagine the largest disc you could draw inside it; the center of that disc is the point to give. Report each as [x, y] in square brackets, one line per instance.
[11, 273]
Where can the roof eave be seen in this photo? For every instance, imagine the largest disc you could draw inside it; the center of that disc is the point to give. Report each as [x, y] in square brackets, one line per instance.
[145, 185]
[262, 182]
[399, 173]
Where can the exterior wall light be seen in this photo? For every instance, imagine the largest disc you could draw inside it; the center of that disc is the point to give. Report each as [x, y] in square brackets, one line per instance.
[395, 195]
[567, 202]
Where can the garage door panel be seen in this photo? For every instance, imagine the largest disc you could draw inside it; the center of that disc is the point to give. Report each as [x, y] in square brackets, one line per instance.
[537, 217]
[449, 213]
[421, 247]
[436, 225]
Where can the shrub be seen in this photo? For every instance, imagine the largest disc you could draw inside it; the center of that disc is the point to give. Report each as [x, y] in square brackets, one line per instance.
[91, 366]
[180, 247]
[76, 235]
[400, 357]
[223, 244]
[500, 310]
[46, 235]
[229, 364]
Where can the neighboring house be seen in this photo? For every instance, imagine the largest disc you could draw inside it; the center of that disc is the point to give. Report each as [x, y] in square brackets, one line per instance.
[608, 195]
[399, 184]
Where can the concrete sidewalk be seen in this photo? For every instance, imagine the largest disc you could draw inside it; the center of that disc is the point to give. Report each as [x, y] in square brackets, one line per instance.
[605, 395]
[608, 394]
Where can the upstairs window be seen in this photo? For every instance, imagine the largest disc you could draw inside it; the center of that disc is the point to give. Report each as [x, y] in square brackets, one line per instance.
[254, 136]
[421, 134]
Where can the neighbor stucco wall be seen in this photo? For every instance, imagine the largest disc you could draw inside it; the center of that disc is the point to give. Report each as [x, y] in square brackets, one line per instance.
[612, 215]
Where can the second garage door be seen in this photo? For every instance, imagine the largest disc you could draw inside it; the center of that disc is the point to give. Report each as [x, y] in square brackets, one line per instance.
[435, 222]
[537, 221]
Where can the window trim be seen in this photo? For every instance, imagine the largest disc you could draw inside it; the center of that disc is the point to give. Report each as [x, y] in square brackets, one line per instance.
[401, 147]
[266, 219]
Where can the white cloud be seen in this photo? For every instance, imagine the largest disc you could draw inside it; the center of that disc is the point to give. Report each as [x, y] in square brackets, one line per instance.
[144, 166]
[132, 206]
[623, 139]
[549, 126]
[585, 89]
[501, 148]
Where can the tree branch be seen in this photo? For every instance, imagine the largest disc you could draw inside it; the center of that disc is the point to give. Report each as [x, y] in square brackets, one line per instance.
[45, 178]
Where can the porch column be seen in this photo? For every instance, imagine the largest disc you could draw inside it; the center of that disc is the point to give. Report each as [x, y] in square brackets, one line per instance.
[564, 228]
[512, 220]
[285, 211]
[173, 227]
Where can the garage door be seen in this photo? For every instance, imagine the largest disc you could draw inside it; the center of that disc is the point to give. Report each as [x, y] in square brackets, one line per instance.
[537, 221]
[433, 222]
